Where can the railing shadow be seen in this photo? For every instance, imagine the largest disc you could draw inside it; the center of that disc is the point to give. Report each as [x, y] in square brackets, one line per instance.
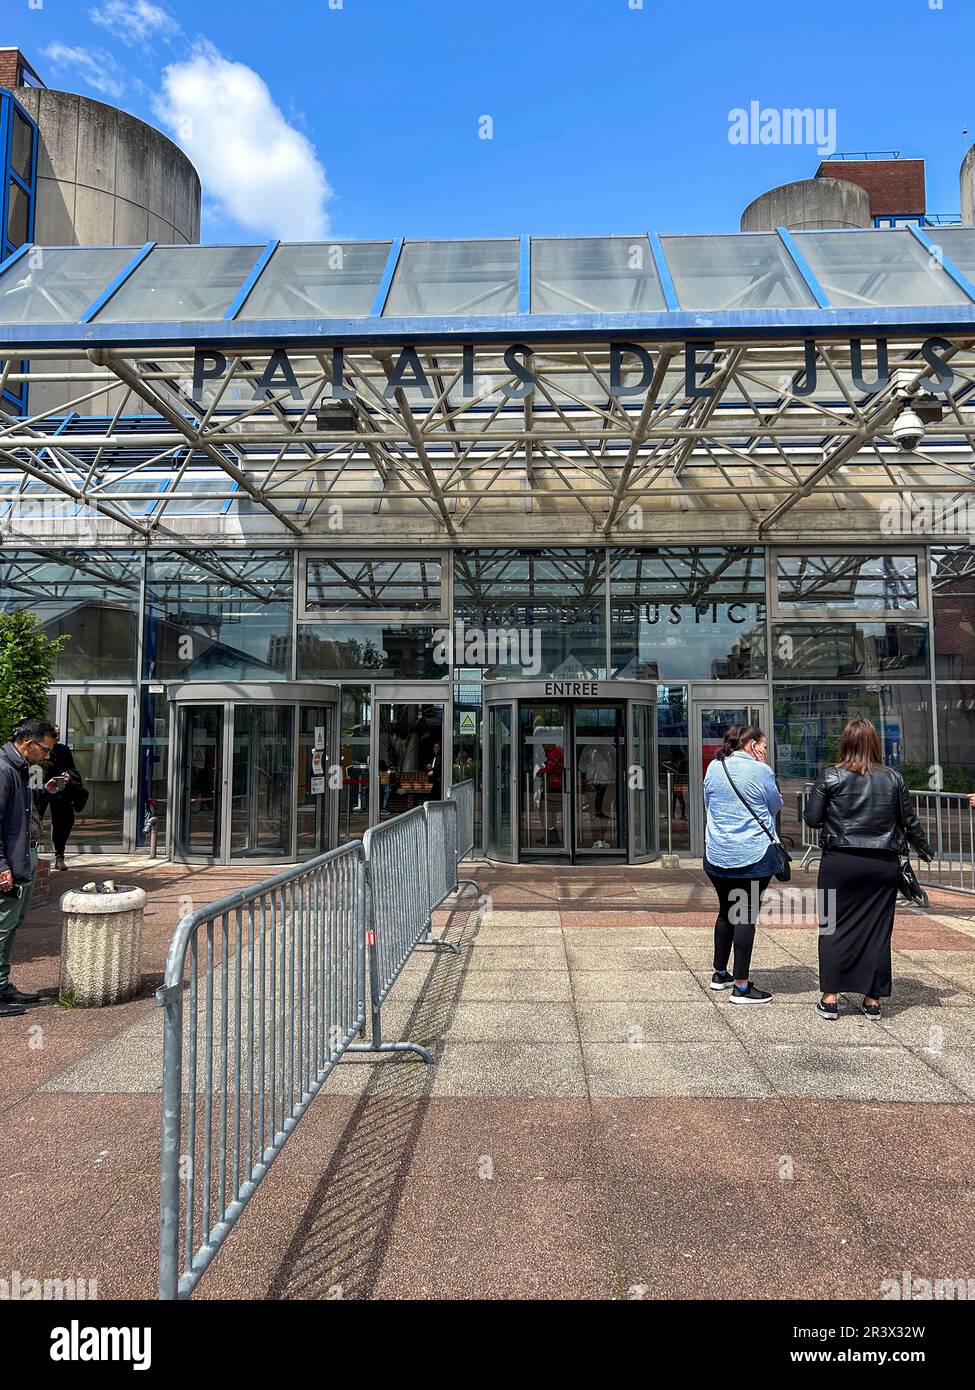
[341, 1242]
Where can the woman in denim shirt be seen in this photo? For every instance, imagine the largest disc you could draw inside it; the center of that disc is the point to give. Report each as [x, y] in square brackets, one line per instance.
[739, 857]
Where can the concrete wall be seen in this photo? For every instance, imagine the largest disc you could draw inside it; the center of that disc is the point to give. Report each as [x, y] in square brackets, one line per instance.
[967, 177]
[105, 178]
[807, 205]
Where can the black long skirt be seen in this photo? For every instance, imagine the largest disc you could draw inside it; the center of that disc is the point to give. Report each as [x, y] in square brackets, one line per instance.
[857, 898]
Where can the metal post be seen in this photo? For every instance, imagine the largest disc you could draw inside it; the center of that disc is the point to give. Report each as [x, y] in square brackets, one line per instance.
[670, 813]
[172, 1100]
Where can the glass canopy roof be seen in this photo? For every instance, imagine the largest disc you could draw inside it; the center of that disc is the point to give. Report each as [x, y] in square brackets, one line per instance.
[746, 274]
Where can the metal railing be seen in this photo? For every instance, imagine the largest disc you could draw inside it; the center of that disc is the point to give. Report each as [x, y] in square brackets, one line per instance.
[948, 821]
[463, 794]
[399, 911]
[263, 993]
[275, 995]
[809, 838]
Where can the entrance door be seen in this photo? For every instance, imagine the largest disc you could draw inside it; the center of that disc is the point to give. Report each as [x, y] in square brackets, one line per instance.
[500, 782]
[253, 780]
[409, 760]
[545, 804]
[98, 727]
[262, 789]
[642, 780]
[598, 769]
[710, 720]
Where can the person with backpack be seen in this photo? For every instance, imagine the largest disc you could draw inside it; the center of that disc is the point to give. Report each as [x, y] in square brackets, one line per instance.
[863, 812]
[742, 852]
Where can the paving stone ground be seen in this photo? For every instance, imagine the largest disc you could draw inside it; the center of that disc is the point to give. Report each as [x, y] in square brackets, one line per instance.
[597, 1122]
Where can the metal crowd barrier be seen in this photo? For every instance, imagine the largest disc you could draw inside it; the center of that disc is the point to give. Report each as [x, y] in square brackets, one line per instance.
[948, 820]
[463, 794]
[275, 995]
[809, 838]
[399, 910]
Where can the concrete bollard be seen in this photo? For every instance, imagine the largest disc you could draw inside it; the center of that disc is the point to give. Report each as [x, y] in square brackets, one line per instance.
[101, 938]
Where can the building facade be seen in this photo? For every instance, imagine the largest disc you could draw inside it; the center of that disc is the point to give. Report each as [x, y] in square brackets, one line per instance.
[550, 514]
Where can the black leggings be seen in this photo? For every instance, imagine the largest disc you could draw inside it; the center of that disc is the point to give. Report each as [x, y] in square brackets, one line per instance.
[739, 902]
[62, 823]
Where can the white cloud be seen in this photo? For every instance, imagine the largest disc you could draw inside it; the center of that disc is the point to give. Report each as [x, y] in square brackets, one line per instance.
[135, 22]
[260, 171]
[93, 65]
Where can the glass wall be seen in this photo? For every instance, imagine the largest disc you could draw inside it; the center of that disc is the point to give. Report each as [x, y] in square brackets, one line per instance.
[354, 760]
[91, 597]
[218, 615]
[841, 651]
[673, 757]
[688, 613]
[528, 614]
[847, 632]
[809, 720]
[953, 597]
[368, 651]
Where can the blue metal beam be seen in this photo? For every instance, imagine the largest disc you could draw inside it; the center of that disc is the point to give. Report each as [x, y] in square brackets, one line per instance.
[15, 256]
[389, 270]
[804, 268]
[525, 276]
[663, 271]
[950, 269]
[117, 283]
[253, 275]
[661, 325]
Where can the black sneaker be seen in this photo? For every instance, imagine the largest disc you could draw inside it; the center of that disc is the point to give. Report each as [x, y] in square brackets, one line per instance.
[871, 1011]
[830, 1011]
[749, 995]
[722, 980]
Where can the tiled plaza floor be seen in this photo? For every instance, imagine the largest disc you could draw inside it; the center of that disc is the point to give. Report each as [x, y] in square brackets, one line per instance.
[597, 1123]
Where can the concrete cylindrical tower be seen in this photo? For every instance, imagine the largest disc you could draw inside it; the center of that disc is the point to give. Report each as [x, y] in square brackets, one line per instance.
[809, 204]
[105, 178]
[967, 177]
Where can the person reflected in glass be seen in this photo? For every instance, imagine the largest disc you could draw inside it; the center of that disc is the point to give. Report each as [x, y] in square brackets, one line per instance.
[435, 773]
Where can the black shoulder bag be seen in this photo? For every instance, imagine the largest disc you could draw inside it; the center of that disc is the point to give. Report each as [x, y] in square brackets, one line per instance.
[784, 870]
[908, 885]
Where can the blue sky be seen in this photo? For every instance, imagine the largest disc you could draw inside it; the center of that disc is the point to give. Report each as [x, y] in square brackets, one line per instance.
[363, 118]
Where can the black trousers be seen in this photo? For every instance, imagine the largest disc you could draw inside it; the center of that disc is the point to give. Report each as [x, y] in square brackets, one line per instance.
[62, 823]
[739, 902]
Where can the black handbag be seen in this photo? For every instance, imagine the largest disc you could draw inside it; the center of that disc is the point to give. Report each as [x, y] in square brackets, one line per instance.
[909, 886]
[784, 871]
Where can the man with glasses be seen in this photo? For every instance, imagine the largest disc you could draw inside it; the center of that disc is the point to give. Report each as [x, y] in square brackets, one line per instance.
[31, 744]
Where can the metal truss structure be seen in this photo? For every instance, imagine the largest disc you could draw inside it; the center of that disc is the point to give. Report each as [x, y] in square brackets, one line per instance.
[753, 461]
[123, 434]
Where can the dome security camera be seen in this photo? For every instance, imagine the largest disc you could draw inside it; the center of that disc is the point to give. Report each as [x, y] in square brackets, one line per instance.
[908, 430]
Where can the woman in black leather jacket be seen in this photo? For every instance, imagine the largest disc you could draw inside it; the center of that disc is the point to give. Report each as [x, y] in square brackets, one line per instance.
[863, 812]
